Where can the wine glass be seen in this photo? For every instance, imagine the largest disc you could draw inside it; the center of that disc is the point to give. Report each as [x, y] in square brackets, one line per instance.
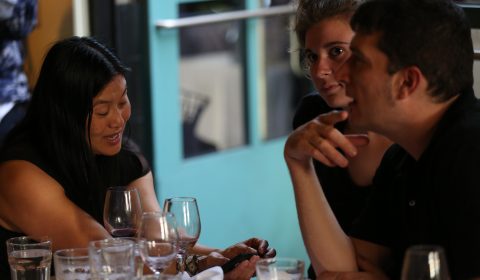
[122, 211]
[187, 216]
[423, 262]
[158, 240]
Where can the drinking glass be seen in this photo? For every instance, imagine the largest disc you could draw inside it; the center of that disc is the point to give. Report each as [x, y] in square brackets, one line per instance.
[280, 269]
[423, 262]
[187, 216]
[122, 211]
[138, 262]
[112, 259]
[158, 240]
[29, 257]
[72, 264]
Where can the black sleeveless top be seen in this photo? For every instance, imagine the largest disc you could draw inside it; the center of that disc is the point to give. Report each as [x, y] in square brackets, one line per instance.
[118, 170]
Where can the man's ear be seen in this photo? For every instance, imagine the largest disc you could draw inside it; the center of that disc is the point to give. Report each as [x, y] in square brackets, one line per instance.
[409, 79]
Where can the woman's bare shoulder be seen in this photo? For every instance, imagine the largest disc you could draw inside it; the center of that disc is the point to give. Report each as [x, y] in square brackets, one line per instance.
[33, 202]
[20, 174]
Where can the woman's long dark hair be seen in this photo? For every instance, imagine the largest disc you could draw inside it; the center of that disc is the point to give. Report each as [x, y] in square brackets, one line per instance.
[74, 71]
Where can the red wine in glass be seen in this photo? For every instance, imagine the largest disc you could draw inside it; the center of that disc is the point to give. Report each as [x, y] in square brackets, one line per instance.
[122, 211]
[124, 232]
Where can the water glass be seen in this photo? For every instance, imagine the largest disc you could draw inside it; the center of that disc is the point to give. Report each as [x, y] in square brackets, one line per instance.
[280, 269]
[112, 259]
[138, 261]
[72, 264]
[423, 262]
[29, 258]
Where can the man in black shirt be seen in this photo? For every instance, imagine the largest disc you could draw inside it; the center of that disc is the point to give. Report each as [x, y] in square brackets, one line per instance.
[410, 75]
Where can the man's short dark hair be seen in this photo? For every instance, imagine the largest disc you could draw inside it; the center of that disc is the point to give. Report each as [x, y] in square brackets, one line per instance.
[433, 35]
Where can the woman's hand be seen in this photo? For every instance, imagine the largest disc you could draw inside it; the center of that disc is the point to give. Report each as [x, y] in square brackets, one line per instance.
[253, 246]
[246, 268]
[243, 271]
[319, 139]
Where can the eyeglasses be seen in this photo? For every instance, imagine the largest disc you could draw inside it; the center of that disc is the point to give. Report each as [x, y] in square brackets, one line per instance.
[306, 61]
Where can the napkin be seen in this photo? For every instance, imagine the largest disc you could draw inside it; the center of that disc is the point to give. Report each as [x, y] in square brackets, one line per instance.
[213, 273]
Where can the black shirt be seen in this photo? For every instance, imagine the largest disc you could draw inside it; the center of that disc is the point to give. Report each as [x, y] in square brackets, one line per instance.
[118, 170]
[435, 200]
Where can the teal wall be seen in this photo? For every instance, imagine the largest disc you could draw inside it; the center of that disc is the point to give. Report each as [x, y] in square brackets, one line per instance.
[242, 192]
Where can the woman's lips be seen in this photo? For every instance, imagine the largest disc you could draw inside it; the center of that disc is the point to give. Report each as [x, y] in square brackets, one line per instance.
[331, 89]
[114, 138]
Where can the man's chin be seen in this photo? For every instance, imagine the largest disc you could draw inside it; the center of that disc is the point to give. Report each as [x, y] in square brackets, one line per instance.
[356, 123]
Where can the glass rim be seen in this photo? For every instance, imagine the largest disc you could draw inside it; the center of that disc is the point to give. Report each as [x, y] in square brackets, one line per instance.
[290, 260]
[181, 198]
[426, 247]
[21, 240]
[108, 242]
[84, 253]
[122, 189]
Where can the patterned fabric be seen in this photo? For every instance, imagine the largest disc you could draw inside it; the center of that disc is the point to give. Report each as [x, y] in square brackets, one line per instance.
[17, 19]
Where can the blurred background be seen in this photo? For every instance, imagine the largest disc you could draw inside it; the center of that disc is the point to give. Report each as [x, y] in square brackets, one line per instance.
[213, 87]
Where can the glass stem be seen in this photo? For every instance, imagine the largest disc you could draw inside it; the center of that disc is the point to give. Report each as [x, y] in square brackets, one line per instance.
[181, 262]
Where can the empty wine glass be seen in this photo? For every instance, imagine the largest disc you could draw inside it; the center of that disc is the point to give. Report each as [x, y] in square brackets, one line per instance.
[187, 216]
[122, 211]
[423, 262]
[158, 240]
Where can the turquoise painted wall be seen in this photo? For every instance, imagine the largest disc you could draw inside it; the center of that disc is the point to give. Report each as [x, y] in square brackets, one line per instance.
[243, 192]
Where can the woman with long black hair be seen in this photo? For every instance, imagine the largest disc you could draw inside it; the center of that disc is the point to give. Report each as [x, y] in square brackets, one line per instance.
[56, 165]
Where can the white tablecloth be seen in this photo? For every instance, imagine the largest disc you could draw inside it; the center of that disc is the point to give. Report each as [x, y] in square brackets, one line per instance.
[213, 273]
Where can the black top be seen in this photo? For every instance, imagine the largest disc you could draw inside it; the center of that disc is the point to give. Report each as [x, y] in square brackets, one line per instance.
[118, 170]
[434, 200]
[345, 198]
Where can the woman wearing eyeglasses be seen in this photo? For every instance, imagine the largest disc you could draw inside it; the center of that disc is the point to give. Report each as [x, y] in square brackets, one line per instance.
[324, 34]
